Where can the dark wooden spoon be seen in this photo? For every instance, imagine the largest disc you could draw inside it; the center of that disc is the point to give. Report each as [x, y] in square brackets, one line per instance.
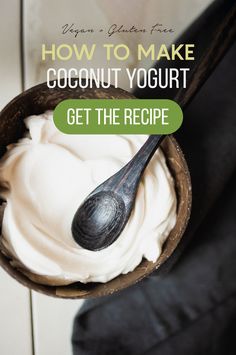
[103, 215]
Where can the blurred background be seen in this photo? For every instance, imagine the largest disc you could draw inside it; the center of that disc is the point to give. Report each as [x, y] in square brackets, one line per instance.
[32, 323]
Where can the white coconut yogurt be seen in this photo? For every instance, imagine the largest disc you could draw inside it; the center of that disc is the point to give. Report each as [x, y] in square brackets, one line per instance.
[48, 174]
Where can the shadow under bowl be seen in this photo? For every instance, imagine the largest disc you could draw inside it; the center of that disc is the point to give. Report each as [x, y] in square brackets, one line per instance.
[36, 101]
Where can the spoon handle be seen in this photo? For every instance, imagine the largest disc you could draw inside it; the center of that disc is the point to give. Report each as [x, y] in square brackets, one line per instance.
[138, 163]
[129, 176]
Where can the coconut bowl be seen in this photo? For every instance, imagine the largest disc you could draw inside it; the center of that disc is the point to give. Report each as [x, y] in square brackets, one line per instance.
[36, 101]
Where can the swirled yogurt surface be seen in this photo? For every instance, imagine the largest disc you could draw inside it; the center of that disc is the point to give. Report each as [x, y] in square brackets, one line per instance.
[48, 174]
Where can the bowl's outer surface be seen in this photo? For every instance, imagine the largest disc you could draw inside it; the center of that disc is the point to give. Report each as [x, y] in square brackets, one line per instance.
[39, 99]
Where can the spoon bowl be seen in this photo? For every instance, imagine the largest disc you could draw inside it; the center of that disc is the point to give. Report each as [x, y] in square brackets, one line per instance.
[99, 220]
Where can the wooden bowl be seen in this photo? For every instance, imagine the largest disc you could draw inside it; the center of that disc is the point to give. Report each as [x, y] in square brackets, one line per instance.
[36, 101]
